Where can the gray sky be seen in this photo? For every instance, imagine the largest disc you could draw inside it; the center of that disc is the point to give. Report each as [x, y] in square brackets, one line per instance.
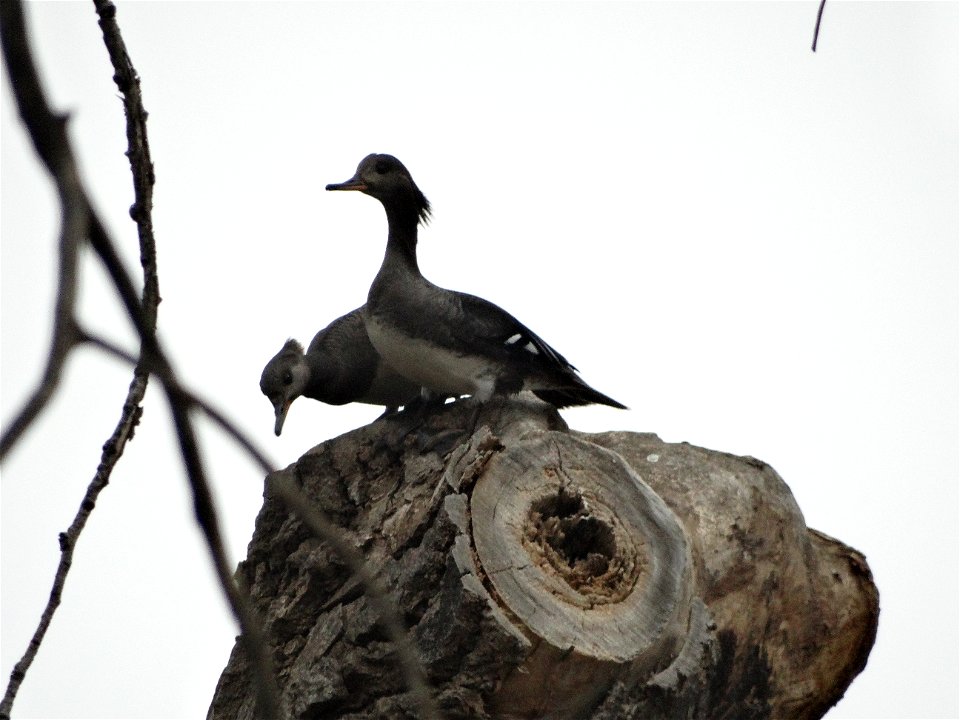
[752, 246]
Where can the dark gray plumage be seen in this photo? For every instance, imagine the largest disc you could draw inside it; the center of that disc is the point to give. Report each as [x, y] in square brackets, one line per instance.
[339, 367]
[450, 342]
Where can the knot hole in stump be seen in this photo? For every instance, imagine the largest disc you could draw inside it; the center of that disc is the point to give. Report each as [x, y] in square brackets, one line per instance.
[579, 544]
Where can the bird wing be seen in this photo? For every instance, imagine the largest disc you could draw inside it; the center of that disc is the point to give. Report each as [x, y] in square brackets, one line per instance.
[345, 331]
[501, 333]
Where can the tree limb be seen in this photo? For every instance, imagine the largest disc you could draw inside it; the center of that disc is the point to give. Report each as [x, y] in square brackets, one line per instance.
[190, 398]
[80, 222]
[48, 133]
[816, 30]
[138, 153]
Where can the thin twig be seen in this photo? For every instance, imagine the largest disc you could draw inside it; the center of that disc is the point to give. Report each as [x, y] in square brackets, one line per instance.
[181, 401]
[251, 635]
[376, 594]
[138, 153]
[112, 450]
[189, 397]
[268, 703]
[816, 30]
[48, 133]
[80, 222]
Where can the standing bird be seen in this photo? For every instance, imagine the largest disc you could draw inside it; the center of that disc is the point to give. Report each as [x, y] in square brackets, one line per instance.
[449, 342]
[340, 366]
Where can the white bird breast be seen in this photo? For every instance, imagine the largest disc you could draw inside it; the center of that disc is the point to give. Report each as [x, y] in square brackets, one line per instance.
[433, 366]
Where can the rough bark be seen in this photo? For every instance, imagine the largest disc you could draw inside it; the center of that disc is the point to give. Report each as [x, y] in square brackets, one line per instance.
[546, 573]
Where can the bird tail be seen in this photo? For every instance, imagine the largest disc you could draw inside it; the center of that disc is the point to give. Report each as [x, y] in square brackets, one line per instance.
[574, 395]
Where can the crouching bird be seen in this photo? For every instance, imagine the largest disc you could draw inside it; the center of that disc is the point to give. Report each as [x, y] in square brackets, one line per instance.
[450, 342]
[339, 367]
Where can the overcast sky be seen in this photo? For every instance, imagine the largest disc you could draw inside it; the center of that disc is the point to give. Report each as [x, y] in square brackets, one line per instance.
[751, 245]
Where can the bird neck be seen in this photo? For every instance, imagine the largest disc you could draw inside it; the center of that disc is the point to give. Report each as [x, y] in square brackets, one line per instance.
[321, 377]
[402, 236]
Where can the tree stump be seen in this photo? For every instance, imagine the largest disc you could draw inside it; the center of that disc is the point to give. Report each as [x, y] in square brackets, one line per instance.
[546, 573]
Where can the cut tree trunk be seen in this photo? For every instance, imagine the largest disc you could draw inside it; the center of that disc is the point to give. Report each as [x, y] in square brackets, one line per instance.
[546, 573]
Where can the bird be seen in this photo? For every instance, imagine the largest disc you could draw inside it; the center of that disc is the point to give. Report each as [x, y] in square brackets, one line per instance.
[450, 343]
[339, 367]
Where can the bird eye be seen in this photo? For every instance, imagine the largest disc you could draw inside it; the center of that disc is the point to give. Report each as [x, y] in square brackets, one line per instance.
[288, 378]
[382, 167]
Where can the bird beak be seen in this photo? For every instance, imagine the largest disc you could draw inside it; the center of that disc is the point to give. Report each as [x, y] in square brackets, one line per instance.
[354, 183]
[280, 409]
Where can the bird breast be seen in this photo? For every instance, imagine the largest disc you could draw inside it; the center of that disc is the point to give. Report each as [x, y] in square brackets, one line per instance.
[436, 368]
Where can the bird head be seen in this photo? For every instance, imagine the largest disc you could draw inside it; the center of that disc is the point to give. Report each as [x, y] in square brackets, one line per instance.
[284, 379]
[386, 179]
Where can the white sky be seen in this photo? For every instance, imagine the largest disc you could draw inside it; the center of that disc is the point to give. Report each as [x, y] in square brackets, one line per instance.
[752, 246]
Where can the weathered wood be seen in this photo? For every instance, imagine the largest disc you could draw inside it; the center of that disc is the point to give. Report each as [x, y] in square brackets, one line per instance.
[549, 573]
[588, 559]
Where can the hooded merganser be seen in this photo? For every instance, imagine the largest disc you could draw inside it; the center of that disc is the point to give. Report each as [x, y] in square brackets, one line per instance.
[339, 367]
[451, 343]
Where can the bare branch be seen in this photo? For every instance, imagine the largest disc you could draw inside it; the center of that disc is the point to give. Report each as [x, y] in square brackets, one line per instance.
[48, 133]
[816, 30]
[138, 153]
[112, 450]
[80, 222]
[268, 698]
[188, 396]
[181, 401]
[204, 511]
